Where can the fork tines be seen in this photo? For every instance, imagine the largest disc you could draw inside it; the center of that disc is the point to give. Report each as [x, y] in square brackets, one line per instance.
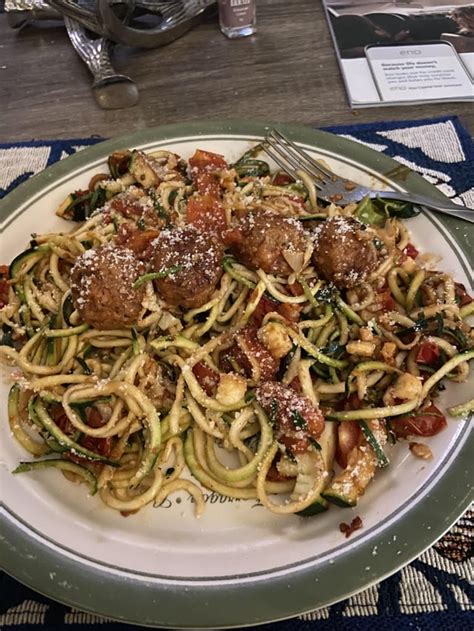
[291, 159]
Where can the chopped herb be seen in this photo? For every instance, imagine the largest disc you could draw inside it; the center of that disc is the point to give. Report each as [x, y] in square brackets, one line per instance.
[141, 224]
[378, 243]
[157, 206]
[273, 412]
[286, 362]
[7, 339]
[314, 443]
[249, 396]
[84, 203]
[334, 349]
[391, 436]
[135, 345]
[422, 324]
[298, 421]
[152, 275]
[252, 168]
[68, 308]
[84, 366]
[115, 223]
[172, 196]
[87, 351]
[396, 208]
[327, 294]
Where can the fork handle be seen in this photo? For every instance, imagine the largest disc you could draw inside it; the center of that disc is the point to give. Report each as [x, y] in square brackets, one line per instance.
[446, 207]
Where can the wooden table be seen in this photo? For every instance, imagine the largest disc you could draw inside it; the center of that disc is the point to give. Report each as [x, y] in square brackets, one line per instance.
[287, 72]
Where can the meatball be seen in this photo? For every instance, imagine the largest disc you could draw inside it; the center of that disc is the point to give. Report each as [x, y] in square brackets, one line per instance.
[102, 287]
[262, 239]
[344, 252]
[196, 257]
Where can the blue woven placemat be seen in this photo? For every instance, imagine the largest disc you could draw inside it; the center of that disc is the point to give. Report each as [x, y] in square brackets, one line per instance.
[436, 590]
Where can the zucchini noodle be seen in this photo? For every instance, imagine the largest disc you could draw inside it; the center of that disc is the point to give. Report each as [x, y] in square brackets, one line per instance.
[172, 398]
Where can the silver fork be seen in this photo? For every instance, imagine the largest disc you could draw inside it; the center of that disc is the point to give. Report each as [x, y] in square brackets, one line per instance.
[111, 90]
[334, 188]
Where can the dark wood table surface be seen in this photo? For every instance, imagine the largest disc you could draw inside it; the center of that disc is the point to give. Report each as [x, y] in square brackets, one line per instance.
[288, 71]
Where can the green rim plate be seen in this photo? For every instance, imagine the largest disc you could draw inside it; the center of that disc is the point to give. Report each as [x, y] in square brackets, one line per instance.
[247, 600]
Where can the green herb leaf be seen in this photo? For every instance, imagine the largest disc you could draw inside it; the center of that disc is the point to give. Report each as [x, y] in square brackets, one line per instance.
[314, 443]
[273, 412]
[152, 275]
[298, 421]
[84, 366]
[396, 208]
[252, 168]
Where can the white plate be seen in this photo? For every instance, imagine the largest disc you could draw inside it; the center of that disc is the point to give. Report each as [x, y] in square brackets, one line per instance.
[162, 566]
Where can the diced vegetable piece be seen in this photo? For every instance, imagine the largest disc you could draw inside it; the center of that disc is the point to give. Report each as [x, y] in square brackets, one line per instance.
[349, 485]
[427, 422]
[142, 170]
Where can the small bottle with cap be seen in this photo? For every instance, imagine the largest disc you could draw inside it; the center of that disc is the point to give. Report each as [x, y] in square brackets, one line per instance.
[237, 18]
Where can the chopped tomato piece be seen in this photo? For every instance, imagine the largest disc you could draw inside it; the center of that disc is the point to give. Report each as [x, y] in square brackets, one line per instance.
[126, 207]
[289, 311]
[411, 251]
[100, 446]
[203, 165]
[295, 384]
[295, 445]
[273, 474]
[295, 289]
[265, 305]
[427, 422]
[462, 297]
[59, 416]
[94, 418]
[428, 353]
[282, 179]
[248, 350]
[205, 160]
[386, 300]
[253, 348]
[4, 287]
[207, 214]
[207, 377]
[298, 199]
[139, 241]
[353, 402]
